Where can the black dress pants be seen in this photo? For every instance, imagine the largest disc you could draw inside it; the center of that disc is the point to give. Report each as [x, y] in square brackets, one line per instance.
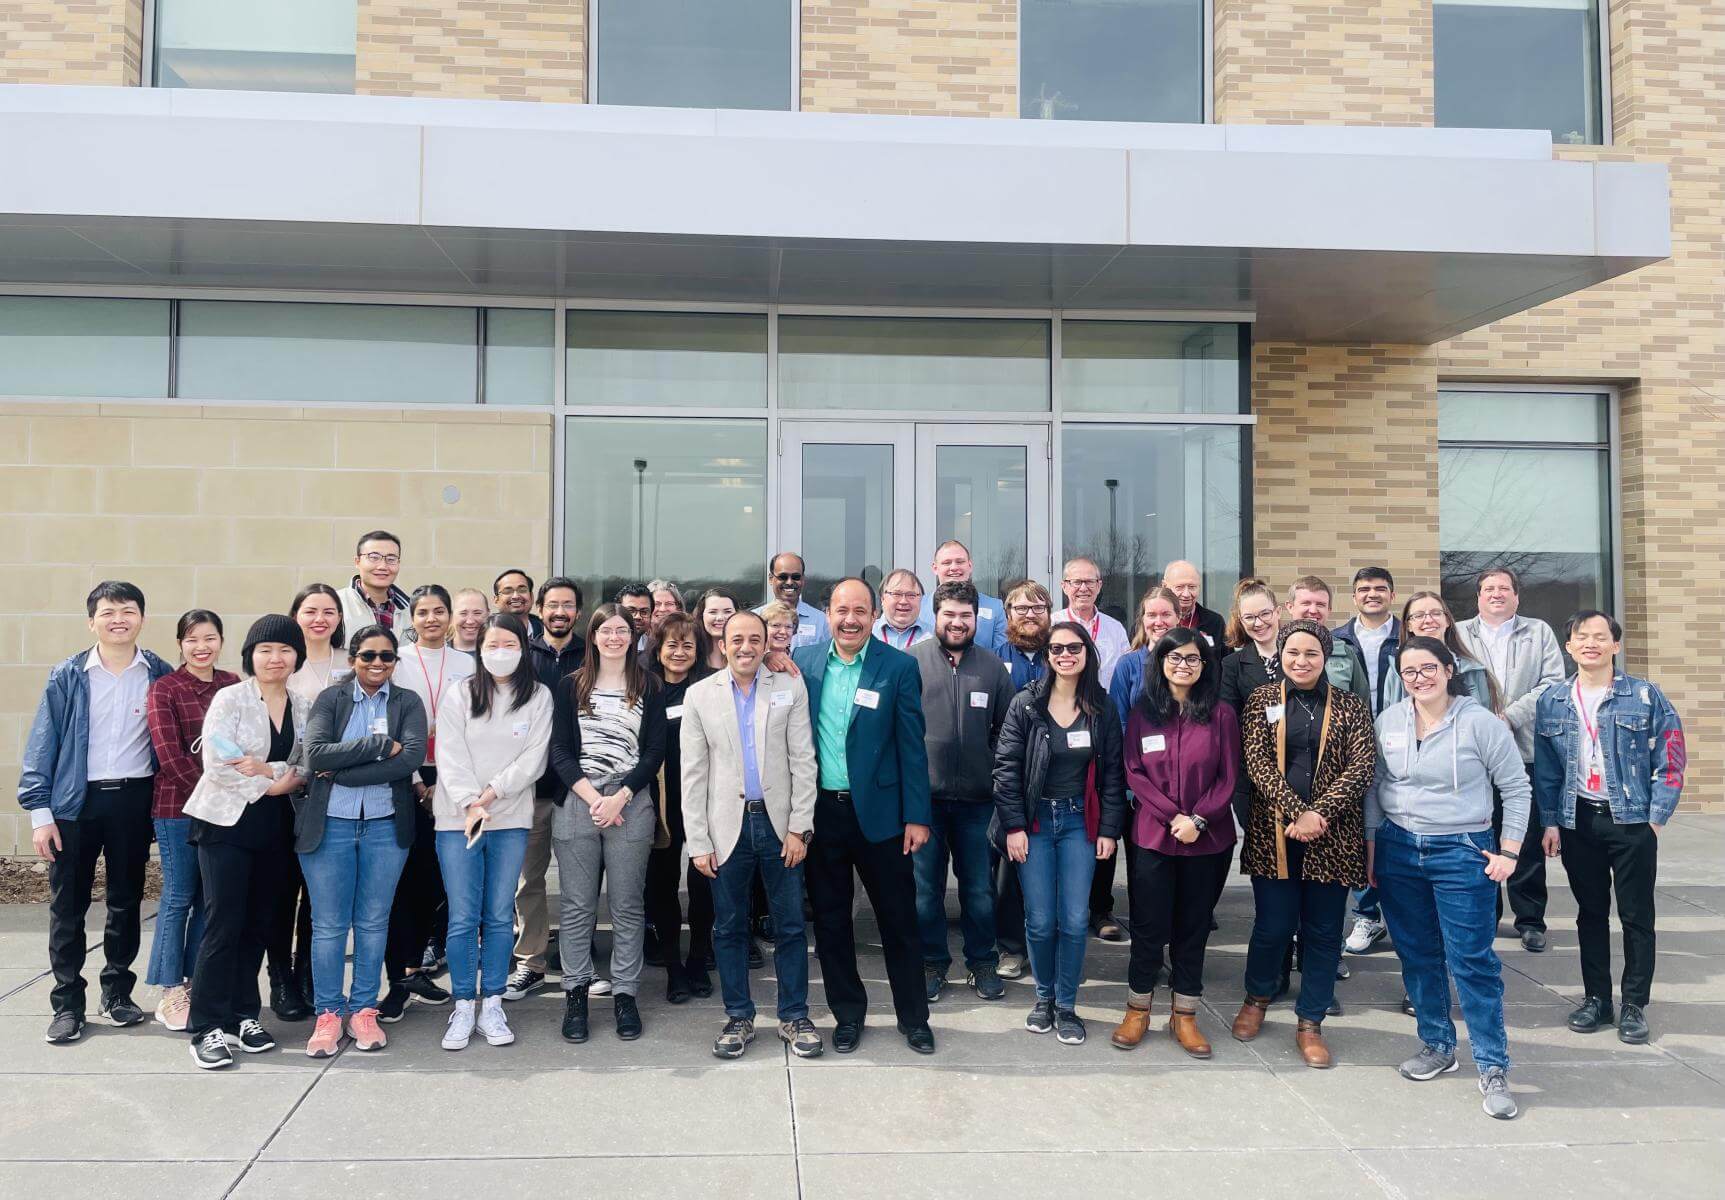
[1526, 885]
[418, 892]
[1173, 898]
[290, 916]
[241, 886]
[114, 828]
[665, 910]
[1102, 889]
[1599, 855]
[1009, 905]
[887, 874]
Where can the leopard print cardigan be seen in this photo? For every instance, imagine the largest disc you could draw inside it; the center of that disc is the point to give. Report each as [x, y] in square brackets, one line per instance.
[1347, 756]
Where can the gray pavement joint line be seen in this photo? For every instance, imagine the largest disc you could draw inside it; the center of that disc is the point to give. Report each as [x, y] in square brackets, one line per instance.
[282, 1124]
[95, 945]
[791, 1100]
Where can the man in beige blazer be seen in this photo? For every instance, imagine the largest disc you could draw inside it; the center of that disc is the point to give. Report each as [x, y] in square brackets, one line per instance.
[748, 805]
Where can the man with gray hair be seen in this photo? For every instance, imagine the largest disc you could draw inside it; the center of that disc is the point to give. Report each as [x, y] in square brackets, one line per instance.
[1182, 578]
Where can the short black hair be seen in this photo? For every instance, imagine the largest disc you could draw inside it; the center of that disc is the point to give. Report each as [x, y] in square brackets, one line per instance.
[117, 590]
[505, 574]
[957, 591]
[637, 591]
[773, 562]
[365, 635]
[744, 612]
[1587, 614]
[436, 590]
[556, 581]
[1383, 573]
[1506, 572]
[376, 535]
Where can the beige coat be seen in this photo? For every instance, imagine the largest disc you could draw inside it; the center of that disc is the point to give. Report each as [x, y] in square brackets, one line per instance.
[238, 713]
[713, 760]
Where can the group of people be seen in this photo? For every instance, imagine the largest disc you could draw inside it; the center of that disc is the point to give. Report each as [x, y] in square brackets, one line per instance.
[398, 769]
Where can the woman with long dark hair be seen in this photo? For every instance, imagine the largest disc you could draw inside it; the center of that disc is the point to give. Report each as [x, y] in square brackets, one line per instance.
[1060, 805]
[1182, 759]
[607, 746]
[712, 610]
[316, 608]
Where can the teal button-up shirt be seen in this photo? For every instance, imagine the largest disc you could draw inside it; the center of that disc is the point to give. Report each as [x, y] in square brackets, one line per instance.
[838, 694]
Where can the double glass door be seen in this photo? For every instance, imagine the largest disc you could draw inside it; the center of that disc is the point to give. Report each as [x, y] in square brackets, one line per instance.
[863, 498]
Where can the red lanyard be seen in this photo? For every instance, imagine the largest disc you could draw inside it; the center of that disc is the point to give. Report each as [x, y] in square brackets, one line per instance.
[431, 740]
[1591, 727]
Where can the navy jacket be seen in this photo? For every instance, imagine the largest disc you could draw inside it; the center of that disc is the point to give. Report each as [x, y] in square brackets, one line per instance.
[57, 752]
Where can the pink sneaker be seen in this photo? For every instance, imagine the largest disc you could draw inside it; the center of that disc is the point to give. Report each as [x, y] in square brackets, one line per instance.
[366, 1033]
[175, 1008]
[326, 1038]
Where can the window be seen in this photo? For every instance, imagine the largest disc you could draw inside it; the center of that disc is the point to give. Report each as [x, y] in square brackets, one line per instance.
[1112, 60]
[63, 346]
[694, 53]
[678, 497]
[647, 359]
[1136, 497]
[1149, 367]
[256, 45]
[934, 364]
[341, 353]
[519, 364]
[1524, 481]
[1519, 64]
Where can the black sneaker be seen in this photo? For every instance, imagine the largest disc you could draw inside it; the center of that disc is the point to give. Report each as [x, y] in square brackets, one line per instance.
[522, 983]
[628, 1017]
[393, 1006]
[121, 1012]
[424, 989]
[756, 959]
[1041, 1018]
[65, 1028]
[211, 1051]
[1068, 1028]
[700, 983]
[254, 1038]
[287, 1002]
[575, 1014]
[763, 929]
[987, 983]
[934, 981]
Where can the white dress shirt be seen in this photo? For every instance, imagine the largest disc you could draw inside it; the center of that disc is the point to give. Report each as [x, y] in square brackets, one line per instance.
[119, 730]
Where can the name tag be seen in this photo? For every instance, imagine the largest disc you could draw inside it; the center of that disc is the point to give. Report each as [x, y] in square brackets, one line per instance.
[867, 699]
[1207, 638]
[520, 728]
[1078, 739]
[1273, 713]
[1153, 743]
[986, 614]
[979, 699]
[609, 705]
[780, 700]
[380, 724]
[674, 713]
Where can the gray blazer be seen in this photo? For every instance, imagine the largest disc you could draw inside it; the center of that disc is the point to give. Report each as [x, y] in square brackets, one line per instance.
[713, 760]
[361, 761]
[1535, 663]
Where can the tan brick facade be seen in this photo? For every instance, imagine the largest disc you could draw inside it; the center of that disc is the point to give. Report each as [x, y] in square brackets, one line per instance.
[84, 41]
[955, 58]
[493, 50]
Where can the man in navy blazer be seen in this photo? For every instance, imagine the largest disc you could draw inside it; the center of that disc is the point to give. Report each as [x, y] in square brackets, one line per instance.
[872, 810]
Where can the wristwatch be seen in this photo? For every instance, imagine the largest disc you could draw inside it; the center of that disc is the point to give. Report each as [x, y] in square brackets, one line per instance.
[1200, 822]
[808, 835]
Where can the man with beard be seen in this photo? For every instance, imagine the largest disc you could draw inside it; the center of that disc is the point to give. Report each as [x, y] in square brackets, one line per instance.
[952, 565]
[1181, 578]
[512, 592]
[556, 653]
[785, 575]
[1028, 606]
[965, 692]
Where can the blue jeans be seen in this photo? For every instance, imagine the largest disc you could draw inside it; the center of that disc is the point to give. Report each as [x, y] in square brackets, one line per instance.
[180, 915]
[958, 833]
[1055, 878]
[480, 884]
[1313, 910]
[1366, 903]
[351, 879]
[1442, 913]
[758, 848]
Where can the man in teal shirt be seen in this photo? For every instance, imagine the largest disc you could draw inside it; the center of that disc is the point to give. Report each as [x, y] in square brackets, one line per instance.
[872, 811]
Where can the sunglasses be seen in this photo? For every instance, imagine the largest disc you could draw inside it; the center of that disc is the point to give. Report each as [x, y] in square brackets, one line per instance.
[789, 577]
[1065, 649]
[383, 656]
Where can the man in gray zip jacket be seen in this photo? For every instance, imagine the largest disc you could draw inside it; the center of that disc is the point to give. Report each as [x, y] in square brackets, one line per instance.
[965, 693]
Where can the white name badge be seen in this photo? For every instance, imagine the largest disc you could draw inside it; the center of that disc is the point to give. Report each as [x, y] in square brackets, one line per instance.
[674, 713]
[1153, 743]
[380, 724]
[867, 699]
[986, 614]
[979, 699]
[1078, 739]
[780, 700]
[1208, 638]
[1273, 713]
[520, 728]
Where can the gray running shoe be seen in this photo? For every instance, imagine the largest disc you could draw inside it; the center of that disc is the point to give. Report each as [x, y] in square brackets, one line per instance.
[1494, 1086]
[1429, 1063]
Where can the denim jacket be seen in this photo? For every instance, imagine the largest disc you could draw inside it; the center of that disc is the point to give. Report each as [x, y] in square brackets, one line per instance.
[1642, 742]
[57, 753]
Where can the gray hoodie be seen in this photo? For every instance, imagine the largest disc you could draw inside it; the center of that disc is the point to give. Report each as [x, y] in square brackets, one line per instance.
[1443, 785]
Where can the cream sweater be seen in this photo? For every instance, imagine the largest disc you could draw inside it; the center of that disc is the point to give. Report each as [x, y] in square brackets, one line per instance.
[506, 750]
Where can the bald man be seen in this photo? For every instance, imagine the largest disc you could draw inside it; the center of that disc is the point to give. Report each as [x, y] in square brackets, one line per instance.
[1182, 578]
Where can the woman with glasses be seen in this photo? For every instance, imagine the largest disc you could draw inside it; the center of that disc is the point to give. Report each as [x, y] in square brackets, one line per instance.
[1427, 615]
[781, 619]
[1060, 804]
[1436, 864]
[364, 742]
[712, 610]
[607, 746]
[1158, 612]
[1182, 760]
[1252, 624]
[667, 599]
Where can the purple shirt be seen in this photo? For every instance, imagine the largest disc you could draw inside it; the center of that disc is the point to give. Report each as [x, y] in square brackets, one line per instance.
[1182, 767]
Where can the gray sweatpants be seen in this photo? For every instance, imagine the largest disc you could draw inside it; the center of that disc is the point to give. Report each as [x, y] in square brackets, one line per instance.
[582, 850]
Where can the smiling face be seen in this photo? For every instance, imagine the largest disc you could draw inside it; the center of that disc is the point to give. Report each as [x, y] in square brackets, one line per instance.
[955, 625]
[373, 662]
[318, 617]
[1066, 654]
[745, 642]
[1302, 660]
[677, 656]
[952, 564]
[378, 563]
[201, 646]
[1426, 618]
[431, 621]
[117, 623]
[514, 594]
[558, 612]
[1372, 597]
[850, 613]
[1310, 605]
[1082, 582]
[1181, 578]
[470, 613]
[785, 578]
[901, 600]
[781, 631]
[614, 638]
[1498, 601]
[714, 613]
[1592, 646]
[1158, 618]
[1423, 675]
[1183, 666]
[665, 602]
[273, 662]
[1258, 617]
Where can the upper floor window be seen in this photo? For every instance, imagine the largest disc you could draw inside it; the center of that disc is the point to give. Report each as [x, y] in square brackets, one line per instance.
[256, 45]
[694, 53]
[1112, 60]
[1520, 64]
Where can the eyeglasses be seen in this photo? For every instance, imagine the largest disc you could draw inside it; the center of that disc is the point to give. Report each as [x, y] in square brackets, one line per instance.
[898, 595]
[1186, 660]
[1263, 618]
[789, 576]
[1421, 618]
[1082, 583]
[515, 591]
[1423, 671]
[1030, 610]
[383, 656]
[568, 606]
[379, 560]
[1065, 649]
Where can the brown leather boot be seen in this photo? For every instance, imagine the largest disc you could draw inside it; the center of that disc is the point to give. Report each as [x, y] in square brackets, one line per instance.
[1183, 1028]
[1309, 1037]
[1132, 1028]
[1250, 1019]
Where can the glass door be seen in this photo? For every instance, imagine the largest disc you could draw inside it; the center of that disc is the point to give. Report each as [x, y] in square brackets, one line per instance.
[985, 486]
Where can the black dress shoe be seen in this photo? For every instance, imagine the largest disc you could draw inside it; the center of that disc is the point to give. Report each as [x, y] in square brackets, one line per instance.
[575, 1014]
[628, 1018]
[1594, 1014]
[1632, 1025]
[918, 1037]
[700, 983]
[1283, 986]
[1335, 1008]
[763, 929]
[756, 959]
[676, 986]
[287, 1003]
[1408, 1006]
[1533, 940]
[847, 1036]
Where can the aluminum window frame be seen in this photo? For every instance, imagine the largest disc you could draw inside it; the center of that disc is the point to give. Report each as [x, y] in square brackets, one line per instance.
[590, 84]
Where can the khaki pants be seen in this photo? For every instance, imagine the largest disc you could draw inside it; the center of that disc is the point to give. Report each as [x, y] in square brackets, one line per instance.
[532, 916]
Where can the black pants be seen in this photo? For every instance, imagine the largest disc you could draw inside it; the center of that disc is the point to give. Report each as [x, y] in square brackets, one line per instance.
[1526, 885]
[417, 894]
[1102, 889]
[665, 909]
[1008, 906]
[241, 892]
[289, 943]
[838, 849]
[115, 828]
[1599, 854]
[1173, 897]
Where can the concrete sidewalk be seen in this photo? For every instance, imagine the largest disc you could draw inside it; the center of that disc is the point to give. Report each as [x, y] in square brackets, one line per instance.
[996, 1112]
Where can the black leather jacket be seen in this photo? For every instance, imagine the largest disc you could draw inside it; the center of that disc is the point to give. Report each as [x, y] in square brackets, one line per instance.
[1021, 765]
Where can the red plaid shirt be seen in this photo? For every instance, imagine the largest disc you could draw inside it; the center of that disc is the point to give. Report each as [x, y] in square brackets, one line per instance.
[176, 708]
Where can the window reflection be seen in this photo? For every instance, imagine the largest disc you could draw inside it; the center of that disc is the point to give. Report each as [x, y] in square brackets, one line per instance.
[647, 359]
[1112, 60]
[1518, 64]
[63, 346]
[257, 45]
[694, 53]
[1149, 367]
[936, 364]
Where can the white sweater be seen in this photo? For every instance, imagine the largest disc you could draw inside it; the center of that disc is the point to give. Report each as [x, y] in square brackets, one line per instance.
[505, 750]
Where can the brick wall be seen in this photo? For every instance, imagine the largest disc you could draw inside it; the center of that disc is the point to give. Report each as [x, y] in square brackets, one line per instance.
[235, 509]
[953, 58]
[81, 41]
[491, 49]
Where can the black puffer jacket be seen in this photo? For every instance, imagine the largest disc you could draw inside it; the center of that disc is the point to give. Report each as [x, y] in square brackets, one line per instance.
[1021, 765]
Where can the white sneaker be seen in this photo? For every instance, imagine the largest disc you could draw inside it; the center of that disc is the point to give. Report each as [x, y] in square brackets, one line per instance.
[493, 1024]
[460, 1027]
[599, 987]
[1368, 931]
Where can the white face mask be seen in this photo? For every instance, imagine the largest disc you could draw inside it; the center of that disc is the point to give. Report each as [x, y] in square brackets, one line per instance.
[501, 663]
